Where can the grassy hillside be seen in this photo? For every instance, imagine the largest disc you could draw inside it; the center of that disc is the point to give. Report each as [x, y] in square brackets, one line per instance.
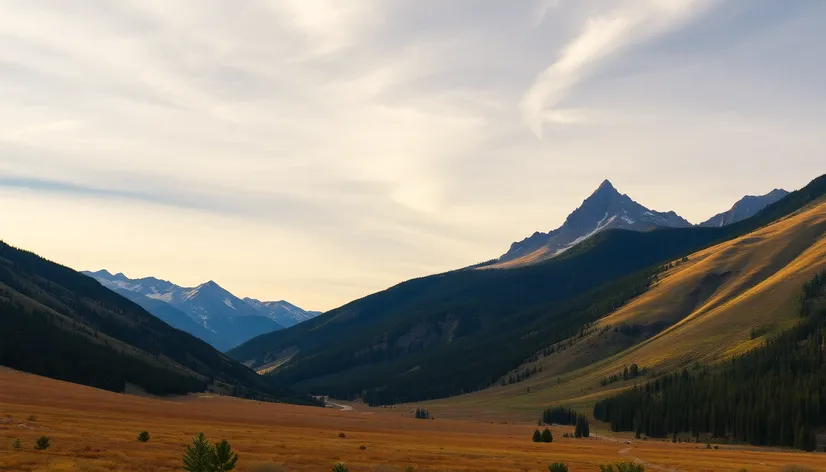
[772, 395]
[59, 323]
[461, 331]
[725, 300]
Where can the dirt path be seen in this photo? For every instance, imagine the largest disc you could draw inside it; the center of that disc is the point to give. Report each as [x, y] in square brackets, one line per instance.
[339, 406]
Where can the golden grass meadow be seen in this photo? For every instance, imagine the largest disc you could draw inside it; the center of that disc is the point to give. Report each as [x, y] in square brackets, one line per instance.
[95, 431]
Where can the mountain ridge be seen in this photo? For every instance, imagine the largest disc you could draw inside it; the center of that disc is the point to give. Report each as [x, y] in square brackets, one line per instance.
[222, 319]
[606, 208]
[744, 208]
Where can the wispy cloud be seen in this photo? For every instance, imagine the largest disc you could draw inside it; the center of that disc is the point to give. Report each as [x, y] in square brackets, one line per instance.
[604, 34]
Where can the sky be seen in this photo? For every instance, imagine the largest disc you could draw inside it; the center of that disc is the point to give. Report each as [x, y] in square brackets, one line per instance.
[321, 150]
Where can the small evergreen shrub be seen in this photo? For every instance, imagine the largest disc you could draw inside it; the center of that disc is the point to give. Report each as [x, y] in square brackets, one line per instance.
[42, 443]
[630, 467]
[547, 436]
[558, 467]
[362, 447]
[410, 468]
[16, 444]
[32, 418]
[340, 468]
[342, 435]
[143, 436]
[537, 436]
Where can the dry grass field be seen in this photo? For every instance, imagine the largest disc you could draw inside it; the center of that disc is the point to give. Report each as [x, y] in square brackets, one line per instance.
[93, 430]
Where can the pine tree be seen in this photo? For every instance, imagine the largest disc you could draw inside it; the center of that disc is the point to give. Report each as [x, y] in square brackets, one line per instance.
[578, 429]
[225, 457]
[200, 456]
[547, 436]
[537, 436]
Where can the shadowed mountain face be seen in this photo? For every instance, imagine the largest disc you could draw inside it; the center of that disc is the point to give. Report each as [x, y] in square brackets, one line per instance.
[745, 208]
[207, 311]
[62, 324]
[605, 209]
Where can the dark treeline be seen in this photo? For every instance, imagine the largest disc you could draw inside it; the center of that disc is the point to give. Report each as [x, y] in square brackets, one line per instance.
[559, 415]
[521, 375]
[627, 373]
[567, 416]
[31, 342]
[773, 395]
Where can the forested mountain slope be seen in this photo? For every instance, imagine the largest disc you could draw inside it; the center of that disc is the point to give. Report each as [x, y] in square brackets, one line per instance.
[62, 324]
[461, 331]
[721, 302]
[773, 395]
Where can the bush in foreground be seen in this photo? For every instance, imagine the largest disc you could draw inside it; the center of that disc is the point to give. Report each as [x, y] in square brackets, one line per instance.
[630, 467]
[340, 468]
[622, 467]
[143, 436]
[16, 444]
[202, 456]
[42, 443]
[558, 467]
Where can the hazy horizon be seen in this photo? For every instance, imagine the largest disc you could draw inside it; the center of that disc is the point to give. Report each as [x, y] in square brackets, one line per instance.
[313, 152]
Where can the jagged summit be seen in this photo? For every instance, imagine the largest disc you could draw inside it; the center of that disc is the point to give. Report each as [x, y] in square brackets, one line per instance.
[606, 186]
[605, 208]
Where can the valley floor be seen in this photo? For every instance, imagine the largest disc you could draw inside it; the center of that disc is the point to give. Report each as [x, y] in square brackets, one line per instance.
[93, 430]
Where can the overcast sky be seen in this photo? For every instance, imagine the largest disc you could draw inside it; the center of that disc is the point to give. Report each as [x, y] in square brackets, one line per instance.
[320, 150]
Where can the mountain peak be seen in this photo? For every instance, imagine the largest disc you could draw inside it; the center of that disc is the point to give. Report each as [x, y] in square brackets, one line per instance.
[605, 188]
[604, 209]
[101, 273]
[606, 185]
[211, 285]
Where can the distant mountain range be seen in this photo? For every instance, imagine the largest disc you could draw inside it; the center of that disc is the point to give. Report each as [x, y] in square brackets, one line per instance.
[62, 324]
[607, 209]
[745, 208]
[207, 311]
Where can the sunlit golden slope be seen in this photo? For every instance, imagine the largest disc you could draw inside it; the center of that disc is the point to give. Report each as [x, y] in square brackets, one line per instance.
[702, 310]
